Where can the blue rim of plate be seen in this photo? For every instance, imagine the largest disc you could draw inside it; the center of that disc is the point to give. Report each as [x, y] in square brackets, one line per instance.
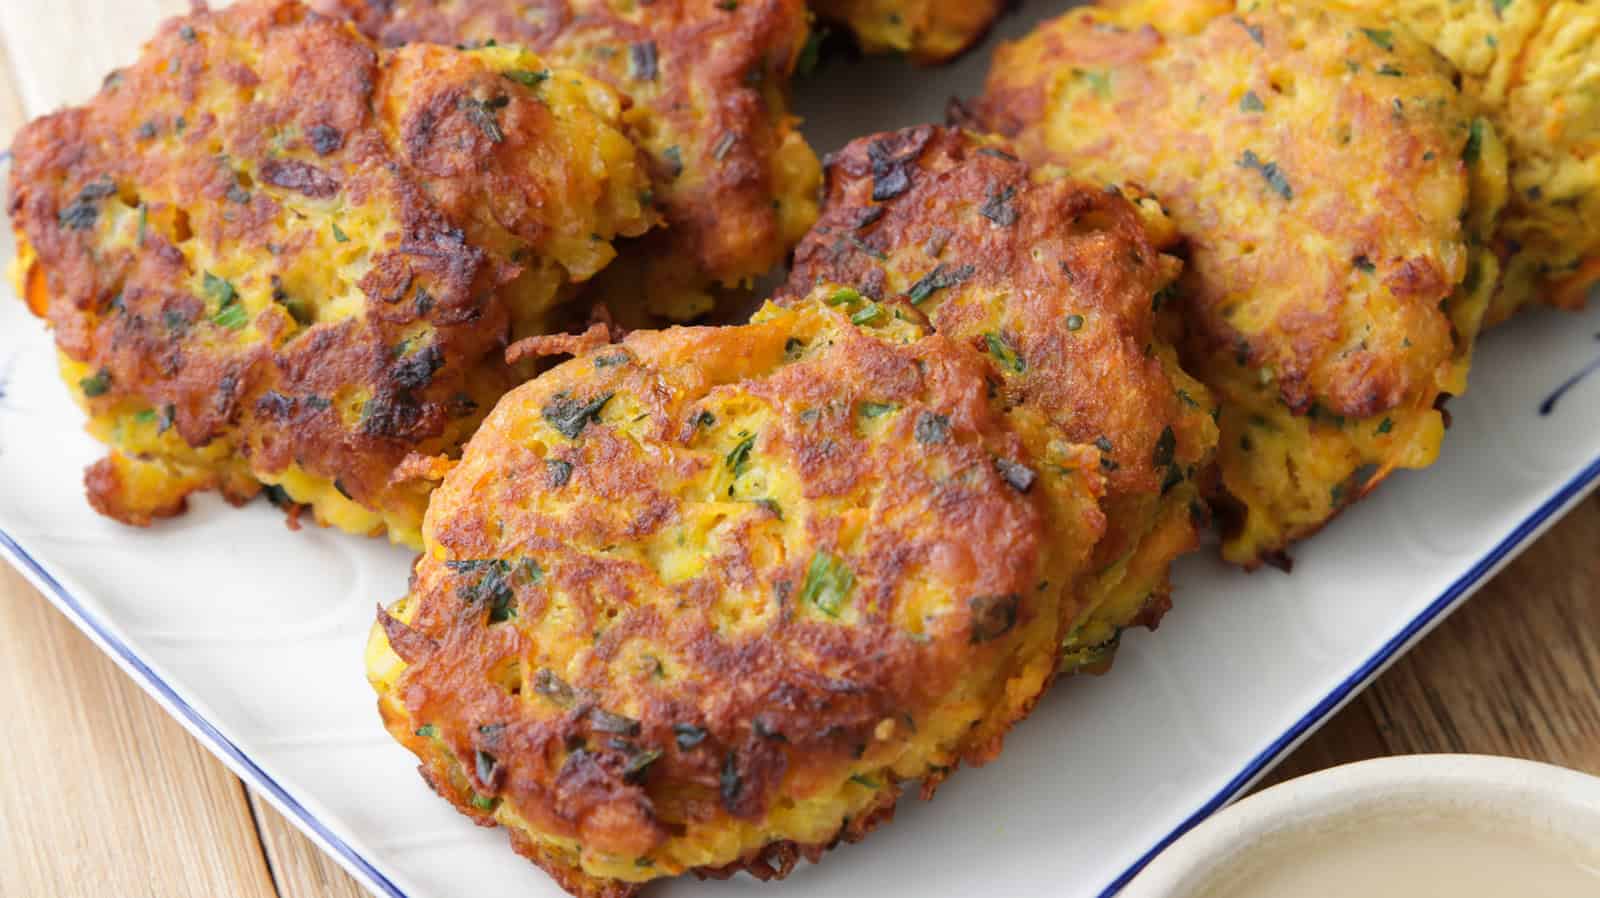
[220, 745]
[223, 747]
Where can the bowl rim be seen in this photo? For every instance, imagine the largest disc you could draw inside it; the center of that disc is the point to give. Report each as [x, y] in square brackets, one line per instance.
[1564, 800]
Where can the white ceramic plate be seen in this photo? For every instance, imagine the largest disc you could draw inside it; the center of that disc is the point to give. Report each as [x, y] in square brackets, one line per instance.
[251, 635]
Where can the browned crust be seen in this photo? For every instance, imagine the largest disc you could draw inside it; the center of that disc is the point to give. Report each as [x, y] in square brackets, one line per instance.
[812, 694]
[311, 115]
[718, 95]
[1305, 334]
[1061, 270]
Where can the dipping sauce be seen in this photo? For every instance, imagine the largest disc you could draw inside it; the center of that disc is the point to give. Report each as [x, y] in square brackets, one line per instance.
[1412, 856]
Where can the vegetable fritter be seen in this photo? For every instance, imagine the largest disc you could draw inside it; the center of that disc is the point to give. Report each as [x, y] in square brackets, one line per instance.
[273, 255]
[1057, 282]
[705, 599]
[1534, 66]
[1336, 192]
[929, 31]
[710, 82]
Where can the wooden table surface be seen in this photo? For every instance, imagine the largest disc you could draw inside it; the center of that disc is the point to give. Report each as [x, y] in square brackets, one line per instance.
[103, 794]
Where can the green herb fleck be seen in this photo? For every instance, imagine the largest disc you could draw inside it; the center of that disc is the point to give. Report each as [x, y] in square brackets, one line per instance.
[674, 160]
[1166, 445]
[219, 289]
[739, 459]
[867, 314]
[688, 735]
[528, 78]
[1474, 147]
[877, 409]
[1074, 322]
[1005, 353]
[231, 316]
[1099, 82]
[1385, 425]
[427, 731]
[569, 415]
[482, 114]
[1251, 103]
[937, 279]
[1270, 171]
[1382, 37]
[558, 472]
[96, 384]
[811, 53]
[828, 583]
[339, 236]
[863, 781]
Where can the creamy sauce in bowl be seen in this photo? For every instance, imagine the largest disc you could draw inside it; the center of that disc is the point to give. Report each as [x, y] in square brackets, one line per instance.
[1413, 855]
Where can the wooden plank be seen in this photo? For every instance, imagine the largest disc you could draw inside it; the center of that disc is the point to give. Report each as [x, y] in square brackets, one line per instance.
[103, 794]
[62, 49]
[1516, 672]
[186, 832]
[299, 868]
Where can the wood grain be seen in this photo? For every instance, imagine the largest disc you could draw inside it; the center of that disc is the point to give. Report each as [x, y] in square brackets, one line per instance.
[103, 794]
[300, 869]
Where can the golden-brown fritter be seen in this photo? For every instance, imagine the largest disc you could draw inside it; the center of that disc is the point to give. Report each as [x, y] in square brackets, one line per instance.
[704, 599]
[273, 255]
[1056, 282]
[710, 82]
[929, 31]
[1335, 190]
[1534, 66]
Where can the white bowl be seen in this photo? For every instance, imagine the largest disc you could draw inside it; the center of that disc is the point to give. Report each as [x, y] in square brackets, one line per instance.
[1549, 803]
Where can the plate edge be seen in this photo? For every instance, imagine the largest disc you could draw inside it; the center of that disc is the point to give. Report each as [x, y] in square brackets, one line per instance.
[1544, 516]
[220, 746]
[1527, 530]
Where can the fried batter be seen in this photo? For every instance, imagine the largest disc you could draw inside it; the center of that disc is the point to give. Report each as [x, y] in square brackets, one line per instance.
[1534, 66]
[273, 255]
[1057, 283]
[710, 82]
[705, 599]
[929, 31]
[1336, 192]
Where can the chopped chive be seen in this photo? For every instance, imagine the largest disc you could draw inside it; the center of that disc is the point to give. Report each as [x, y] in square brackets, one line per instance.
[739, 459]
[1474, 147]
[1380, 36]
[937, 279]
[1166, 445]
[95, 384]
[569, 415]
[1006, 354]
[828, 583]
[867, 314]
[527, 78]
[877, 409]
[1270, 171]
[688, 735]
